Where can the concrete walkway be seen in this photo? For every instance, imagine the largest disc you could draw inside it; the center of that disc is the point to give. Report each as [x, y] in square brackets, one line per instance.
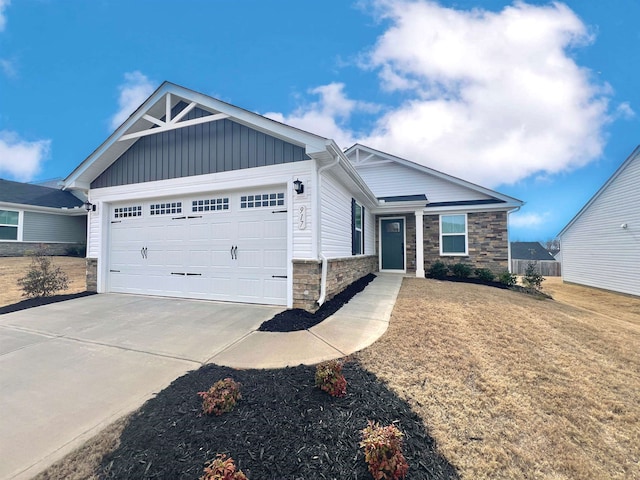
[69, 369]
[355, 326]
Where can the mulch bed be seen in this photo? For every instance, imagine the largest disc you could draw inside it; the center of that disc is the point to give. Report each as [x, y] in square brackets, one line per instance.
[518, 288]
[299, 319]
[282, 428]
[39, 301]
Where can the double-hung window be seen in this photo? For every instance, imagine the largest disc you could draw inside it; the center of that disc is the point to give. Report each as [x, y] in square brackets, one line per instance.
[453, 234]
[357, 228]
[9, 224]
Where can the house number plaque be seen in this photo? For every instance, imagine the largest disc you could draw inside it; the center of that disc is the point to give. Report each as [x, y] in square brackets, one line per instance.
[302, 217]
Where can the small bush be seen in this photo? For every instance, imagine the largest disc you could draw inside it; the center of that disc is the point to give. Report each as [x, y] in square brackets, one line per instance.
[329, 378]
[461, 270]
[531, 278]
[221, 469]
[383, 451]
[43, 278]
[221, 397]
[507, 278]
[484, 274]
[437, 270]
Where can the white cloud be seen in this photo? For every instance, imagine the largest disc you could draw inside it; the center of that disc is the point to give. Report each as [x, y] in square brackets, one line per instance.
[19, 159]
[3, 17]
[528, 220]
[491, 97]
[133, 92]
[328, 116]
[8, 68]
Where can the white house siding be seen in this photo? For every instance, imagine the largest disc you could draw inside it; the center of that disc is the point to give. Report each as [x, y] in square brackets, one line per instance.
[392, 179]
[596, 250]
[336, 220]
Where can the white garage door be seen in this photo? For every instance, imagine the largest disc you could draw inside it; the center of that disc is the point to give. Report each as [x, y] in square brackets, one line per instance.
[215, 247]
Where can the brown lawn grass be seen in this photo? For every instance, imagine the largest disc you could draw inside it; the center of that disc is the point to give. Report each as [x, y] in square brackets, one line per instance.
[13, 268]
[513, 387]
[510, 386]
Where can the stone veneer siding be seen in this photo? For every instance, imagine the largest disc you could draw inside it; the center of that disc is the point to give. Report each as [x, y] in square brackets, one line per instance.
[92, 274]
[341, 272]
[487, 239]
[20, 249]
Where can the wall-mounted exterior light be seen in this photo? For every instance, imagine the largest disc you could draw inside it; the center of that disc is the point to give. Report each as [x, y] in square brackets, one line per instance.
[298, 186]
[89, 207]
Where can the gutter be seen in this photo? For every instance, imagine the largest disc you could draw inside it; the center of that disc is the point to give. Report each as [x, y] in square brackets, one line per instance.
[509, 237]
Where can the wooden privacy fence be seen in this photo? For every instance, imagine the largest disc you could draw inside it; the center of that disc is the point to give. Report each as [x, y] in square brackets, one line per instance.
[546, 268]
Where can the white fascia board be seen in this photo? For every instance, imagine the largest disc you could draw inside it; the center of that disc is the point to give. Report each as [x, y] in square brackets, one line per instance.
[233, 180]
[472, 208]
[398, 207]
[436, 173]
[74, 211]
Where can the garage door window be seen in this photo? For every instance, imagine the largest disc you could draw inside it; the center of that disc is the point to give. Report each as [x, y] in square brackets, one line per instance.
[166, 208]
[210, 205]
[9, 225]
[124, 212]
[262, 200]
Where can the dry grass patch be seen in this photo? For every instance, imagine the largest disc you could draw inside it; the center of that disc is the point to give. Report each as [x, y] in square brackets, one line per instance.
[13, 268]
[513, 387]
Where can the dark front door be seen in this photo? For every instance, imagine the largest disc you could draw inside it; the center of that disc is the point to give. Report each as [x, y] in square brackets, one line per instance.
[392, 240]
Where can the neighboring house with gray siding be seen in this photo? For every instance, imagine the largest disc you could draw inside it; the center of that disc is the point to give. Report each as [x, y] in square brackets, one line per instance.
[31, 215]
[600, 246]
[193, 197]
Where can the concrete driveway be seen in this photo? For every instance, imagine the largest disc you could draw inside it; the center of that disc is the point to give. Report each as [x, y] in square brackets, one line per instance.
[69, 369]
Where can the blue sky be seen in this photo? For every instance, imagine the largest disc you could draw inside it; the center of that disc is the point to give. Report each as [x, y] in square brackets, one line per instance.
[537, 100]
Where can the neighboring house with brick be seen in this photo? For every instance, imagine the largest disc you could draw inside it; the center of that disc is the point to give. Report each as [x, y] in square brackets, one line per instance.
[193, 197]
[31, 215]
[600, 246]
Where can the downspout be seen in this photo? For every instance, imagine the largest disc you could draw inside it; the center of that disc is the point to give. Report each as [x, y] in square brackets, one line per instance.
[323, 278]
[509, 238]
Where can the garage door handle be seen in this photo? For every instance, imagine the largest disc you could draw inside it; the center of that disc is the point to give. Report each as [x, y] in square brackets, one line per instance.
[143, 252]
[234, 252]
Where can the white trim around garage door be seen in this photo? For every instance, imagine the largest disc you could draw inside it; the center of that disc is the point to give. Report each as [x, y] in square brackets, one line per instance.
[228, 246]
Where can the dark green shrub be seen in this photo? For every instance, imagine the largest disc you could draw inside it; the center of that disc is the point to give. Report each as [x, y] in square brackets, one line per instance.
[531, 278]
[507, 278]
[461, 270]
[43, 278]
[485, 274]
[437, 270]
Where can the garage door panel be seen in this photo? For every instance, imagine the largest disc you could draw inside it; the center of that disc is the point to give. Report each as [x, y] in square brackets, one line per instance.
[198, 249]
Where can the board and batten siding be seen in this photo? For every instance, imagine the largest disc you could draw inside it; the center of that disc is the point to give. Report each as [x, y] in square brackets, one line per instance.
[336, 220]
[387, 179]
[47, 227]
[596, 250]
[213, 147]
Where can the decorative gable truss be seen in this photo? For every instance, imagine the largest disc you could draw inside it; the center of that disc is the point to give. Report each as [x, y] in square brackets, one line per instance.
[171, 120]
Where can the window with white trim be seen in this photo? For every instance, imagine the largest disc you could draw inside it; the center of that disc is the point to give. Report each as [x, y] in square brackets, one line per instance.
[9, 224]
[453, 234]
[124, 212]
[262, 200]
[165, 208]
[210, 205]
